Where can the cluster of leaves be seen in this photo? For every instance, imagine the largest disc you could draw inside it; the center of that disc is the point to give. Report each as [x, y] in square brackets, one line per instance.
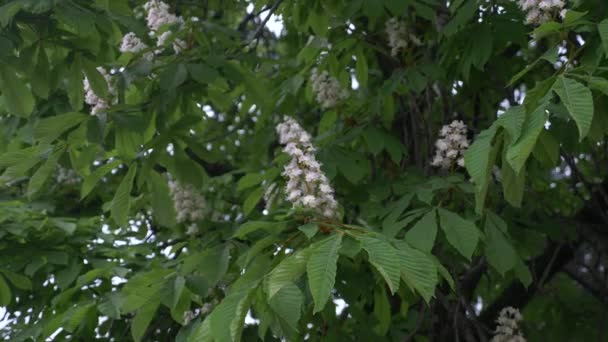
[105, 258]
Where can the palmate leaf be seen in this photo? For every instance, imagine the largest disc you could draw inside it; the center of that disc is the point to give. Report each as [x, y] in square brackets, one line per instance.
[578, 100]
[423, 233]
[121, 204]
[16, 95]
[418, 270]
[499, 251]
[321, 269]
[142, 319]
[382, 256]
[519, 151]
[460, 233]
[287, 305]
[479, 159]
[287, 271]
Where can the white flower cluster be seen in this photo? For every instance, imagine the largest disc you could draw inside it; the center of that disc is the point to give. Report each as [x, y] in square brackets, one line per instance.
[158, 16]
[540, 11]
[307, 185]
[179, 45]
[67, 176]
[397, 35]
[132, 43]
[508, 326]
[328, 90]
[451, 145]
[98, 104]
[189, 204]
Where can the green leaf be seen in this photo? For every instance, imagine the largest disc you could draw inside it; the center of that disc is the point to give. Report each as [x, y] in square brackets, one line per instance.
[17, 97]
[173, 76]
[252, 200]
[202, 73]
[121, 203]
[321, 269]
[418, 270]
[461, 234]
[202, 333]
[41, 77]
[142, 319]
[382, 256]
[49, 129]
[5, 293]
[178, 287]
[159, 198]
[463, 15]
[75, 87]
[578, 100]
[309, 229]
[252, 226]
[522, 272]
[91, 181]
[382, 311]
[227, 318]
[546, 29]
[250, 180]
[361, 68]
[287, 271]
[422, 235]
[479, 159]
[98, 83]
[499, 251]
[374, 139]
[287, 305]
[43, 173]
[513, 184]
[602, 28]
[142, 289]
[391, 229]
[518, 152]
[8, 12]
[19, 281]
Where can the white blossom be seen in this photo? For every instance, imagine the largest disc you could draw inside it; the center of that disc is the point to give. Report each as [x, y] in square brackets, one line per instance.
[396, 32]
[159, 15]
[541, 11]
[98, 104]
[451, 145]
[307, 186]
[508, 326]
[189, 204]
[67, 176]
[132, 43]
[327, 89]
[178, 44]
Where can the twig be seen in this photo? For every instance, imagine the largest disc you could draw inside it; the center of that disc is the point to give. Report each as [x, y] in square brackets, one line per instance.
[260, 29]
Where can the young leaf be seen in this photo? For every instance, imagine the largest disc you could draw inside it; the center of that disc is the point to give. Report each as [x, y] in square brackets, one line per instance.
[121, 204]
[461, 234]
[43, 173]
[287, 305]
[321, 269]
[382, 256]
[579, 102]
[142, 319]
[17, 97]
[287, 272]
[5, 293]
[499, 252]
[418, 270]
[96, 80]
[422, 235]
